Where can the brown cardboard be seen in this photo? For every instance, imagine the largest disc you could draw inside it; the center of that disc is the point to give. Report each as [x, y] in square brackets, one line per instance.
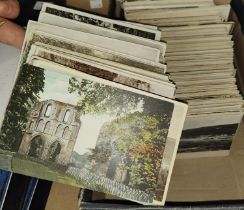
[219, 2]
[62, 197]
[92, 6]
[210, 178]
[195, 179]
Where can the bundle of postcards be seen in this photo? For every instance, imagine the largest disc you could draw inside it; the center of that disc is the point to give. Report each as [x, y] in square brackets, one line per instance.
[92, 107]
[200, 60]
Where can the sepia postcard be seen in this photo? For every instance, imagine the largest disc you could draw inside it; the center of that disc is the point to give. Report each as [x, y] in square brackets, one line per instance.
[158, 4]
[139, 72]
[106, 55]
[93, 52]
[221, 10]
[89, 28]
[188, 32]
[102, 22]
[123, 47]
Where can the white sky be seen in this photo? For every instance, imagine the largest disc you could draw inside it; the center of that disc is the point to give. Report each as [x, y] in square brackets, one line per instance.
[89, 131]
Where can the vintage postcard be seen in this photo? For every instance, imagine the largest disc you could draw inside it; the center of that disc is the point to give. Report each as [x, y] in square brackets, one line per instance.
[221, 10]
[183, 21]
[204, 134]
[122, 78]
[205, 120]
[207, 139]
[228, 103]
[215, 109]
[199, 102]
[88, 28]
[187, 32]
[136, 50]
[158, 87]
[130, 6]
[206, 68]
[102, 22]
[157, 77]
[230, 72]
[91, 51]
[61, 109]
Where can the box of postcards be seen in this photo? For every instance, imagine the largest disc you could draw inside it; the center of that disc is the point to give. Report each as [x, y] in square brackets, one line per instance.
[146, 110]
[204, 56]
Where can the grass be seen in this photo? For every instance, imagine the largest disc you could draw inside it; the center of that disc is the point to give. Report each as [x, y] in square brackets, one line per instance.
[43, 170]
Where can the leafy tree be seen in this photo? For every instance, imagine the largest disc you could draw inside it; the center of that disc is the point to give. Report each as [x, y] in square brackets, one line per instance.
[138, 135]
[99, 98]
[101, 153]
[140, 143]
[29, 84]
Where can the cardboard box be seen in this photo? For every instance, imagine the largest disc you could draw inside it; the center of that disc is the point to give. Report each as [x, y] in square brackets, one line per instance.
[100, 7]
[217, 178]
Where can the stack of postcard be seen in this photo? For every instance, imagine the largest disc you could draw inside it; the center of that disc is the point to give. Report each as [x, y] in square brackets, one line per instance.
[92, 107]
[200, 61]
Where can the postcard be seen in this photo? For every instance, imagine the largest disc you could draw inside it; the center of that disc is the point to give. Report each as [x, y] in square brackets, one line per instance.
[127, 48]
[102, 22]
[81, 49]
[165, 89]
[152, 76]
[88, 28]
[59, 110]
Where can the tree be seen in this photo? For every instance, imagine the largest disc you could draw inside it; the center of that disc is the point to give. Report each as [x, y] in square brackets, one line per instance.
[29, 84]
[140, 143]
[138, 134]
[99, 98]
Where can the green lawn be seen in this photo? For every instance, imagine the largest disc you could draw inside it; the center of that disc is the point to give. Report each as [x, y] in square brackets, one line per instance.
[22, 165]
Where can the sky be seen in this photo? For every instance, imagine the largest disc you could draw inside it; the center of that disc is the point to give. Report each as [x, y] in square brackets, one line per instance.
[56, 88]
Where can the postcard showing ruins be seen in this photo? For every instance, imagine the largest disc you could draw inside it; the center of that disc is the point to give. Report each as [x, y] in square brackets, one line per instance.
[78, 130]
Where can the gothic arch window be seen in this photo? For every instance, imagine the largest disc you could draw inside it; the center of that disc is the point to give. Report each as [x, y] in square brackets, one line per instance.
[48, 110]
[54, 151]
[59, 131]
[66, 116]
[47, 128]
[36, 147]
[66, 133]
[40, 125]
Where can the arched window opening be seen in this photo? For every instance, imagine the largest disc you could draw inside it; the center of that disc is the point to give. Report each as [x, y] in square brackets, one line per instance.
[54, 151]
[47, 128]
[67, 116]
[66, 133]
[48, 110]
[59, 131]
[36, 147]
[40, 125]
